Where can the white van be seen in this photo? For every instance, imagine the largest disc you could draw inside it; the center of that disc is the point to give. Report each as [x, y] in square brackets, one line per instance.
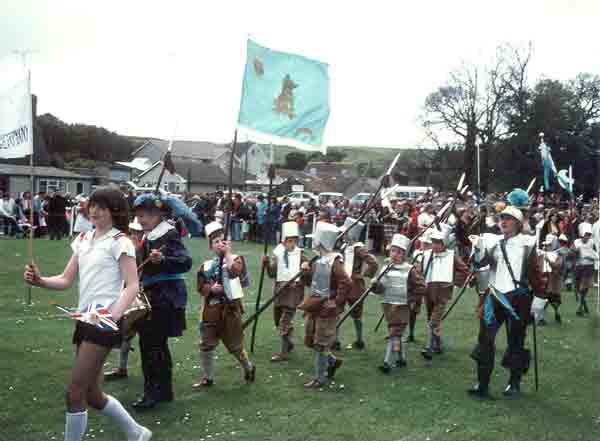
[410, 192]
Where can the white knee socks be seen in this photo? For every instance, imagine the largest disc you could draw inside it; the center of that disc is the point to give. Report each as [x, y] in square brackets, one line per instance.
[117, 412]
[75, 425]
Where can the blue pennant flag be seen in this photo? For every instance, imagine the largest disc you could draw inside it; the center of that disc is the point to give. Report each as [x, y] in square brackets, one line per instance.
[566, 181]
[285, 96]
[548, 163]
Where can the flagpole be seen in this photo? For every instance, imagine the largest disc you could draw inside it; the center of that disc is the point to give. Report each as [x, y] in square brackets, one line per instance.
[265, 254]
[31, 183]
[230, 185]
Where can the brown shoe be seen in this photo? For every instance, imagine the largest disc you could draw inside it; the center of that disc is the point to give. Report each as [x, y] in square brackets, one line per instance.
[313, 384]
[115, 374]
[280, 356]
[203, 384]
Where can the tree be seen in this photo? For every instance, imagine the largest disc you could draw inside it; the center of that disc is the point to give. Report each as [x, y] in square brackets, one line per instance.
[296, 161]
[331, 156]
[473, 106]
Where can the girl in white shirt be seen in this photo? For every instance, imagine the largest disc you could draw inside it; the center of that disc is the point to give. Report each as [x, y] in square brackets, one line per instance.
[102, 259]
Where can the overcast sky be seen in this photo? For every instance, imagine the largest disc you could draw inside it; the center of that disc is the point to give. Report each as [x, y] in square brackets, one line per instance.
[136, 67]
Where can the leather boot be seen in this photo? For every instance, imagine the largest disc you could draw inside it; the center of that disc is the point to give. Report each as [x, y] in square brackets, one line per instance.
[481, 389]
[513, 389]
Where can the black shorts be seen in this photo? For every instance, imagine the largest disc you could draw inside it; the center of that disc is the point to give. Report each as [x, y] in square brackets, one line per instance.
[93, 334]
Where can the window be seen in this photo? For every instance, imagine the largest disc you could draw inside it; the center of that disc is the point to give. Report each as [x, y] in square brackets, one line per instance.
[79, 187]
[48, 185]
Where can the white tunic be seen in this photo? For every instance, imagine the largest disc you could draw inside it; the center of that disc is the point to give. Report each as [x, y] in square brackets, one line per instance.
[441, 269]
[287, 273]
[518, 249]
[100, 278]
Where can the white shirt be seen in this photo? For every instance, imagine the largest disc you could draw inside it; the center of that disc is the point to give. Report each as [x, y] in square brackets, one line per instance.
[100, 278]
[7, 207]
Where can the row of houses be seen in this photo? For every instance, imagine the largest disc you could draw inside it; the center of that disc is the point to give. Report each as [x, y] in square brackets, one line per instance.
[199, 167]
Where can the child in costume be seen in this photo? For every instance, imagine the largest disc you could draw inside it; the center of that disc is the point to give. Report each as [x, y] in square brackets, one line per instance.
[328, 280]
[400, 287]
[220, 283]
[163, 279]
[285, 264]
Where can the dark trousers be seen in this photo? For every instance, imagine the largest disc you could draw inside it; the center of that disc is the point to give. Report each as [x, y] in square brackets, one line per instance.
[157, 365]
[10, 225]
[516, 358]
[56, 227]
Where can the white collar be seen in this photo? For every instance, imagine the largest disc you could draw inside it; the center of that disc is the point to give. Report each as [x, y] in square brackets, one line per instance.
[160, 230]
[109, 234]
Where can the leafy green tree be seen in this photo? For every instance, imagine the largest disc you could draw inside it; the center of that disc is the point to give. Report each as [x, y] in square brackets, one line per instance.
[295, 161]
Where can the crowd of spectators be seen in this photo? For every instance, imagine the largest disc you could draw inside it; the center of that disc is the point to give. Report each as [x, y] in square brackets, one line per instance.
[254, 219]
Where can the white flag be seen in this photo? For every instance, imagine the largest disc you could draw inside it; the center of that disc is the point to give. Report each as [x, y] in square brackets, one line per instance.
[16, 127]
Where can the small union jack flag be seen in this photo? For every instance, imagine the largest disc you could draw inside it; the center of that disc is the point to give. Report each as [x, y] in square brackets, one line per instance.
[95, 314]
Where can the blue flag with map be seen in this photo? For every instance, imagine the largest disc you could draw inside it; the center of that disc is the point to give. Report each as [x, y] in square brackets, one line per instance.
[285, 98]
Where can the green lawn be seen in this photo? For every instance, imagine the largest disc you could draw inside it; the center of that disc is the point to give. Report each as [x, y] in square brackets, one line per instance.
[418, 403]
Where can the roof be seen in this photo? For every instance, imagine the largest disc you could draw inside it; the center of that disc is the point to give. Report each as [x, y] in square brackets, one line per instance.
[187, 149]
[198, 172]
[25, 170]
[331, 168]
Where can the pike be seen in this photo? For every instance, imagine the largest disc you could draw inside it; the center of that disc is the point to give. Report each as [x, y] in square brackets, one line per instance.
[531, 184]
[413, 240]
[462, 291]
[460, 190]
[368, 207]
[370, 203]
[362, 297]
[535, 355]
[271, 173]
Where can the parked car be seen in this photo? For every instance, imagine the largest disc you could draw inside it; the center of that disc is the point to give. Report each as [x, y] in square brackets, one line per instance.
[252, 196]
[299, 197]
[410, 192]
[330, 196]
[360, 198]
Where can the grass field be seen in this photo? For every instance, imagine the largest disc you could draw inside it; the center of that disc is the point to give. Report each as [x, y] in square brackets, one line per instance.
[418, 403]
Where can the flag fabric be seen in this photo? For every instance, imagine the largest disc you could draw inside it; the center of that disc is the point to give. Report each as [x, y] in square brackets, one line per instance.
[565, 181]
[95, 314]
[488, 306]
[16, 126]
[285, 97]
[548, 163]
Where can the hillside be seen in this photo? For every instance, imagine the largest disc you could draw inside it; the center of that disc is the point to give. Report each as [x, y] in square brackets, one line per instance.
[353, 154]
